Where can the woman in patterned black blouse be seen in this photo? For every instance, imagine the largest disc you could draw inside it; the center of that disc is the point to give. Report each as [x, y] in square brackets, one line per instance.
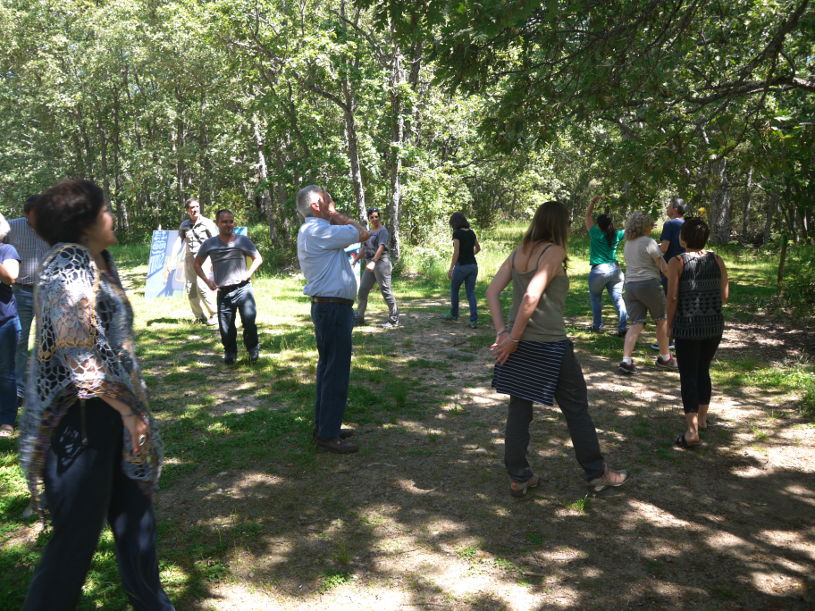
[697, 289]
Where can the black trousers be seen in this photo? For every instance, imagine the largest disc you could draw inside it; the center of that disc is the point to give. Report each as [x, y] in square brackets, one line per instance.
[694, 357]
[84, 488]
[572, 399]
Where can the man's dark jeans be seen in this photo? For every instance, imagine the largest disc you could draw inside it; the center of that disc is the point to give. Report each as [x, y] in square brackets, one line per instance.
[333, 326]
[242, 300]
[572, 398]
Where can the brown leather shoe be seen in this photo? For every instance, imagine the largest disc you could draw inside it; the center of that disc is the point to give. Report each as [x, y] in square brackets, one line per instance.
[338, 446]
[344, 433]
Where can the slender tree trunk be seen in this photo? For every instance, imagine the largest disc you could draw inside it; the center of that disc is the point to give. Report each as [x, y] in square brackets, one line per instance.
[768, 224]
[266, 203]
[719, 214]
[397, 142]
[748, 197]
[103, 150]
[205, 178]
[352, 142]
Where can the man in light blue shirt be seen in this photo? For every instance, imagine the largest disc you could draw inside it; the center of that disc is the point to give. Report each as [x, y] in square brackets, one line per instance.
[331, 284]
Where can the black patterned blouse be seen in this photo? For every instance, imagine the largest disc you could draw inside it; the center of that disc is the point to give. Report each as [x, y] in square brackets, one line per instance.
[699, 303]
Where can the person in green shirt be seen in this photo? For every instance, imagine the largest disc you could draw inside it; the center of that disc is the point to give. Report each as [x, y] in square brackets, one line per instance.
[605, 270]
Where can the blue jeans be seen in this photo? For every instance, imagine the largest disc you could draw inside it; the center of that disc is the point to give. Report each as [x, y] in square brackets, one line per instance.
[25, 311]
[9, 336]
[333, 326]
[468, 275]
[607, 277]
[242, 300]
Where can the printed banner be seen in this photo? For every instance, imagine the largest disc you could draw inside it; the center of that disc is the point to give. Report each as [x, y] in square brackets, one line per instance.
[167, 244]
[351, 251]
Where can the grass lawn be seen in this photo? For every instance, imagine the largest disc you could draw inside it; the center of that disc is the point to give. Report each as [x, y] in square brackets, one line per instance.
[241, 467]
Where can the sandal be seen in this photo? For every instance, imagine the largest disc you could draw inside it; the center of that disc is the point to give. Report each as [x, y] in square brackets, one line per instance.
[710, 421]
[6, 430]
[683, 443]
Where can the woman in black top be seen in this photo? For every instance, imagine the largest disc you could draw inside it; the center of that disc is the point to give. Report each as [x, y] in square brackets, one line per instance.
[697, 289]
[463, 267]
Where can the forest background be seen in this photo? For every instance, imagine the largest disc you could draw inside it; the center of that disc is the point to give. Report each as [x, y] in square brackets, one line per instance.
[418, 108]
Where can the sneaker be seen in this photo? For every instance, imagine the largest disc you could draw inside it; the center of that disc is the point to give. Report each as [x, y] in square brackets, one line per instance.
[391, 325]
[449, 317]
[670, 346]
[359, 322]
[669, 364]
[607, 479]
[229, 359]
[472, 324]
[626, 368]
[337, 446]
[344, 433]
[520, 488]
[254, 356]
[211, 321]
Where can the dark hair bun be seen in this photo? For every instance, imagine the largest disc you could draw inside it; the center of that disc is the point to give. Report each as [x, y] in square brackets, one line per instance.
[65, 211]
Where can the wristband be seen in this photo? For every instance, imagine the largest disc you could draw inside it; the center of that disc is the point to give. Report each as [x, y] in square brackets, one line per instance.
[500, 332]
[513, 339]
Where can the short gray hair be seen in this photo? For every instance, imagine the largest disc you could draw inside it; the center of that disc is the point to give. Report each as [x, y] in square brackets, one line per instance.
[638, 225]
[305, 197]
[5, 228]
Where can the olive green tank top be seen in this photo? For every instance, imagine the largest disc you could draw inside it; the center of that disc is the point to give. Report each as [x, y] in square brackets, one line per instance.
[546, 323]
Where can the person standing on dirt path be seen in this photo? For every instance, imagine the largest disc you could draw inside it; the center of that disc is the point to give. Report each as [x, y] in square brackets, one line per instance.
[378, 269]
[228, 252]
[194, 231]
[697, 289]
[463, 268]
[331, 284]
[669, 244]
[534, 358]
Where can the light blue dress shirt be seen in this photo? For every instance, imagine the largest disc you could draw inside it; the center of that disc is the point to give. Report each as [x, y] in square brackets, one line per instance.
[321, 251]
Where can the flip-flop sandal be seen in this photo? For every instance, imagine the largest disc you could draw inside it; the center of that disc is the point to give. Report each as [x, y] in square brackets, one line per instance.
[683, 443]
[710, 421]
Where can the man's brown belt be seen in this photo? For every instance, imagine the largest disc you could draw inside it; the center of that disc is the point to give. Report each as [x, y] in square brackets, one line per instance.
[349, 302]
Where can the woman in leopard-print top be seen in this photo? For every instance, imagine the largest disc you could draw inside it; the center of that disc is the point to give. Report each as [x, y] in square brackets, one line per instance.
[697, 290]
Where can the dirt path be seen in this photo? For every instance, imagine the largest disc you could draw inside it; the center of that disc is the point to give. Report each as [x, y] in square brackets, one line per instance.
[421, 517]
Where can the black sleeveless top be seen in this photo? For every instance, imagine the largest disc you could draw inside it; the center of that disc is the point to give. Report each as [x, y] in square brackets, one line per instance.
[699, 303]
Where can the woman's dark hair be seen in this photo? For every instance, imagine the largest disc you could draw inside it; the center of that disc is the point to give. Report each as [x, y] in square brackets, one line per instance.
[695, 233]
[458, 221]
[372, 210]
[65, 211]
[606, 225]
[550, 224]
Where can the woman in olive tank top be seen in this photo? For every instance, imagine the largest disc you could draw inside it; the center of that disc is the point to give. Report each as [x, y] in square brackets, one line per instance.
[535, 360]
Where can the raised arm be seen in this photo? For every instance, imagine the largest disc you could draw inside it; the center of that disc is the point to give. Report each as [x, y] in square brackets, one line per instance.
[590, 211]
[338, 218]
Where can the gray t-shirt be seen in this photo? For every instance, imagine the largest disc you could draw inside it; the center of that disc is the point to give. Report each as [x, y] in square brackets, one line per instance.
[228, 259]
[639, 259]
[378, 237]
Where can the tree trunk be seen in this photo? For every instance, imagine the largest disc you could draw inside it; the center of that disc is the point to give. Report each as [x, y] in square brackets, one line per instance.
[748, 196]
[397, 142]
[266, 203]
[103, 150]
[204, 180]
[768, 225]
[719, 214]
[352, 142]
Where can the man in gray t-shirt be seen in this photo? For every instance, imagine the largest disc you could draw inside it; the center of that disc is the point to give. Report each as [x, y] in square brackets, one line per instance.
[228, 252]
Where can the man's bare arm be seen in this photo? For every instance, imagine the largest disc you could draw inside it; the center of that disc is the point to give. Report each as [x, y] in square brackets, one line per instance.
[196, 265]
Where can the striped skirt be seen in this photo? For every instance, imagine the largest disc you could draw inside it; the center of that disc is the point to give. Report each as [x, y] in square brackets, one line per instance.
[531, 372]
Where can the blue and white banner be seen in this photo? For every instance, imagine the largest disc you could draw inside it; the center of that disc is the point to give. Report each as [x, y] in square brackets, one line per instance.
[161, 249]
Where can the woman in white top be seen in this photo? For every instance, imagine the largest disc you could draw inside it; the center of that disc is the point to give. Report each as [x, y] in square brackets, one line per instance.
[643, 290]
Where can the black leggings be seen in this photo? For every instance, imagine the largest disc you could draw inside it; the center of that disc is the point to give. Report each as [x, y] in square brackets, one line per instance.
[694, 357]
[85, 487]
